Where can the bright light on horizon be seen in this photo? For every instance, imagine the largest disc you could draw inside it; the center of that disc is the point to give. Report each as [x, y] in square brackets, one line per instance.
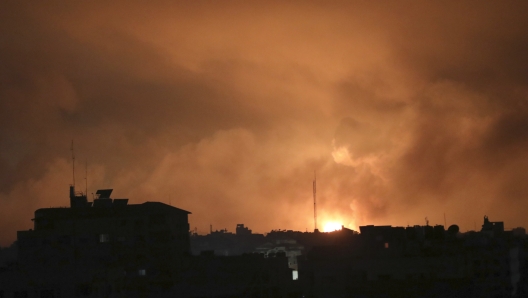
[332, 226]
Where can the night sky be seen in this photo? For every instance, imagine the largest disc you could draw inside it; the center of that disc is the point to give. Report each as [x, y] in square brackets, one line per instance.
[405, 109]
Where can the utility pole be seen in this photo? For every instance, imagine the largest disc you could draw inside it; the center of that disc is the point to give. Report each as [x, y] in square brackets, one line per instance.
[73, 165]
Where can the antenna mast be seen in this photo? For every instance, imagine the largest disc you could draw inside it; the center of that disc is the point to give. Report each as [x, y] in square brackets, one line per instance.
[315, 206]
[86, 178]
[73, 165]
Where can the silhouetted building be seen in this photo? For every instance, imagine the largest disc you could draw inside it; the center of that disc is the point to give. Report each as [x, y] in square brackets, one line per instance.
[108, 246]
[247, 275]
[242, 231]
[418, 261]
[491, 227]
[224, 243]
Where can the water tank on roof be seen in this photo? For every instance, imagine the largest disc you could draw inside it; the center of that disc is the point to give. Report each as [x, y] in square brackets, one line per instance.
[104, 193]
[453, 229]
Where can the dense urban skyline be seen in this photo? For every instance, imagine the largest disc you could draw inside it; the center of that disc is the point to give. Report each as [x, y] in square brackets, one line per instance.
[405, 110]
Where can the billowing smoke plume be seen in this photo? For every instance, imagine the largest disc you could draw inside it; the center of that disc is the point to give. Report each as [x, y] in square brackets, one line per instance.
[404, 110]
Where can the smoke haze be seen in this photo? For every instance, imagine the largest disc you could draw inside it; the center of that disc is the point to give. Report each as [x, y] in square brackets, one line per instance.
[226, 109]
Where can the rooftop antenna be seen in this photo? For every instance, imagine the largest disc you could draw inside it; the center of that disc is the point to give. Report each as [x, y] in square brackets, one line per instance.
[73, 165]
[426, 221]
[315, 206]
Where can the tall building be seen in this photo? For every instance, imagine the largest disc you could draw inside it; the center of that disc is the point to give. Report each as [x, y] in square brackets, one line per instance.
[104, 248]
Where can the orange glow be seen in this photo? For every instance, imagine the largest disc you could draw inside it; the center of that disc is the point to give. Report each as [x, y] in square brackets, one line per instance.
[332, 226]
[227, 109]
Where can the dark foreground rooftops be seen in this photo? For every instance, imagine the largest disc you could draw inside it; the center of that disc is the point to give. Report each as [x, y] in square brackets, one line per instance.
[114, 208]
[45, 216]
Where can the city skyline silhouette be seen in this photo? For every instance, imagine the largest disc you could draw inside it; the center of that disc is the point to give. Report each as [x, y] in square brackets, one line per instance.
[405, 111]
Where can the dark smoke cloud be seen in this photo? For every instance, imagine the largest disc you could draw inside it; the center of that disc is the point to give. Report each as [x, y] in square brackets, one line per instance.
[404, 110]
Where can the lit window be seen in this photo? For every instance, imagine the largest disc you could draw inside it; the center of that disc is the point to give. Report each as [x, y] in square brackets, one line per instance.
[142, 272]
[386, 244]
[295, 274]
[104, 238]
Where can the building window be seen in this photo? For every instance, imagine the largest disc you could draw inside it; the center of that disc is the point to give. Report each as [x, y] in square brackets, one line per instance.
[295, 274]
[142, 272]
[104, 238]
[386, 244]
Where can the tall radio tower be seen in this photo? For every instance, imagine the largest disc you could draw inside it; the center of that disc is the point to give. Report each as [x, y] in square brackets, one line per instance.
[315, 203]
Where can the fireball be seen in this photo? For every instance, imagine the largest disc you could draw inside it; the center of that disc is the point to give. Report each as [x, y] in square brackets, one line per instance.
[332, 226]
